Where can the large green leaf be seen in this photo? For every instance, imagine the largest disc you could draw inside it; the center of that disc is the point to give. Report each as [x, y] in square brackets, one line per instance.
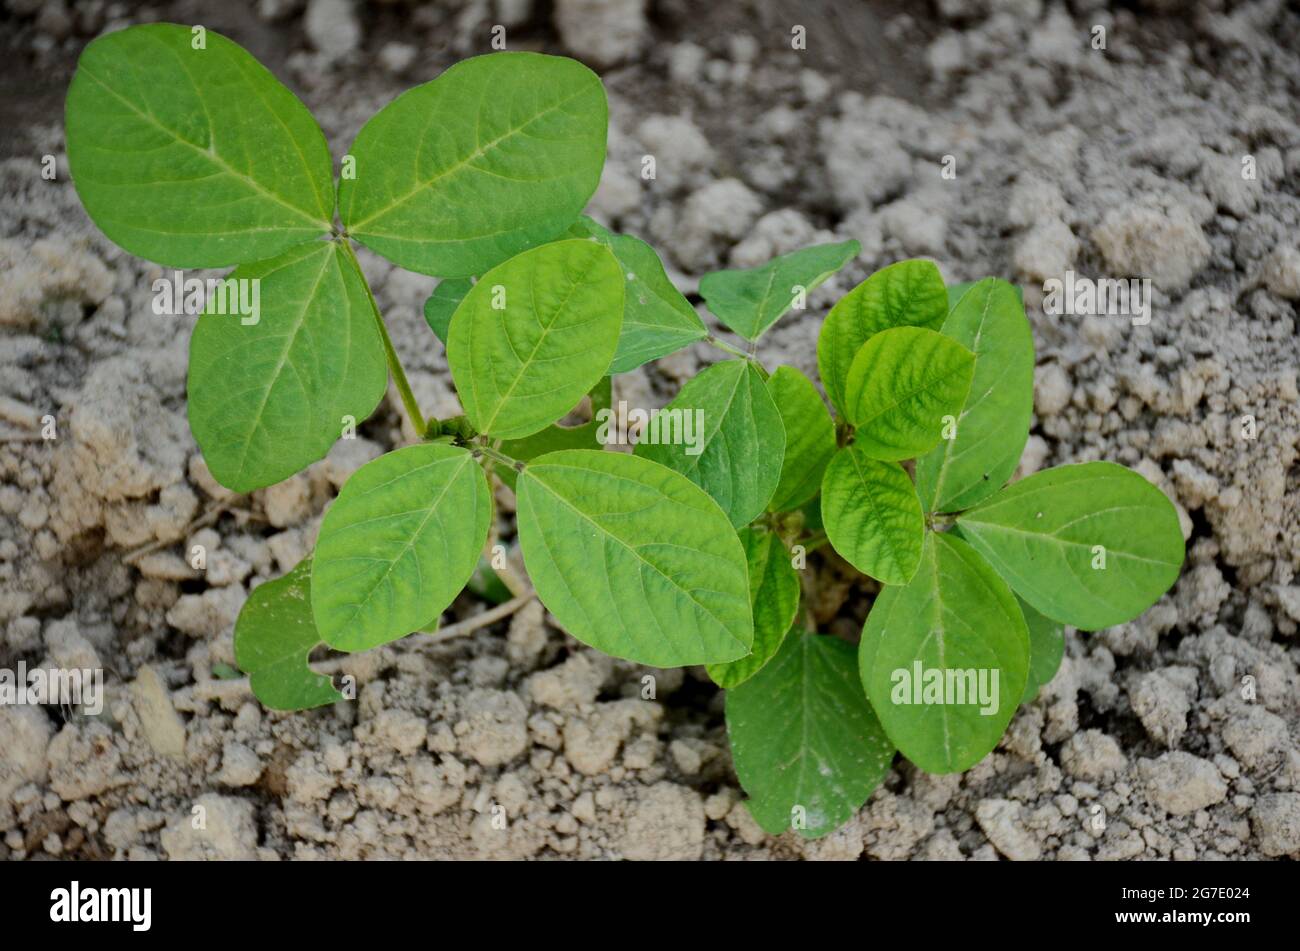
[872, 515]
[193, 157]
[774, 597]
[1046, 648]
[398, 545]
[634, 559]
[906, 294]
[806, 745]
[904, 386]
[442, 304]
[268, 398]
[809, 438]
[750, 301]
[1090, 545]
[498, 154]
[944, 658]
[273, 637]
[657, 319]
[534, 335]
[739, 438]
[994, 423]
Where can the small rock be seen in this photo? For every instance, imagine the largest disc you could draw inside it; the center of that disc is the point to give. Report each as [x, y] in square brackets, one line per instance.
[159, 720]
[1091, 755]
[666, 824]
[227, 831]
[1276, 821]
[1003, 822]
[1181, 783]
[1168, 247]
[1162, 706]
[240, 766]
[332, 27]
[1258, 739]
[494, 726]
[602, 32]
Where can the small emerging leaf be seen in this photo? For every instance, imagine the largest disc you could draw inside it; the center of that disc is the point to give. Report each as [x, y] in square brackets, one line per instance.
[657, 319]
[906, 294]
[1090, 545]
[496, 155]
[774, 596]
[872, 515]
[904, 388]
[809, 438]
[944, 658]
[398, 545]
[534, 335]
[442, 304]
[673, 578]
[993, 426]
[723, 432]
[806, 745]
[194, 157]
[751, 301]
[274, 635]
[268, 399]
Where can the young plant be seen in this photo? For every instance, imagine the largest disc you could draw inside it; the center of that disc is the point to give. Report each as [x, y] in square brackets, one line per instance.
[186, 151]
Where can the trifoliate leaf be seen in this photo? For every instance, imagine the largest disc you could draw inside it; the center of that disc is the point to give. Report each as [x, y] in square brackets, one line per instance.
[657, 319]
[274, 635]
[904, 388]
[270, 397]
[723, 432]
[806, 745]
[774, 596]
[993, 425]
[944, 658]
[194, 156]
[673, 577]
[809, 438]
[442, 303]
[872, 515]
[1090, 545]
[398, 545]
[498, 154]
[534, 335]
[750, 301]
[906, 294]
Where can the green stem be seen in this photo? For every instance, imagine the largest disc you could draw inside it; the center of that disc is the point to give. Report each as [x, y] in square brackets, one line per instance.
[390, 354]
[814, 541]
[500, 457]
[723, 345]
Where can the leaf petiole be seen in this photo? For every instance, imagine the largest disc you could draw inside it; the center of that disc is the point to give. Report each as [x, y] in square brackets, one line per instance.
[394, 364]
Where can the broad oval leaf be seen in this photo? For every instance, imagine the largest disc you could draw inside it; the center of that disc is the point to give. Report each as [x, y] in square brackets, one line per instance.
[498, 154]
[534, 335]
[1092, 545]
[723, 432]
[269, 398]
[774, 597]
[994, 423]
[809, 438]
[442, 304]
[752, 300]
[634, 559]
[398, 545]
[193, 157]
[1046, 648]
[906, 294]
[943, 659]
[872, 515]
[805, 742]
[274, 635]
[657, 319]
[904, 387]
